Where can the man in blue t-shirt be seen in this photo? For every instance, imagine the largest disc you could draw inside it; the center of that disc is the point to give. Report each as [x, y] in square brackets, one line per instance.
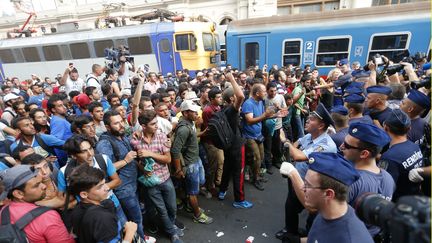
[60, 127]
[402, 156]
[253, 113]
[361, 146]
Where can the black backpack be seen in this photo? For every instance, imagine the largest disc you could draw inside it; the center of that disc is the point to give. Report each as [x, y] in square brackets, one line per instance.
[219, 130]
[14, 233]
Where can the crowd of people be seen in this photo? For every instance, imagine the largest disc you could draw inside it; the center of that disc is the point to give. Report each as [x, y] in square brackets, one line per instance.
[98, 158]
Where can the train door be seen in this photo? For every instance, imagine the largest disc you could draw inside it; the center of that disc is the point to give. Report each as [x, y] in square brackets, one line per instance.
[165, 53]
[252, 51]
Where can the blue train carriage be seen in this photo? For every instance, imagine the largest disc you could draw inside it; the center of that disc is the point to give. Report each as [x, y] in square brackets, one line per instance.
[320, 39]
[165, 47]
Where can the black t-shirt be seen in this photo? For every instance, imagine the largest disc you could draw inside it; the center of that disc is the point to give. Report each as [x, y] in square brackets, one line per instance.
[95, 223]
[233, 117]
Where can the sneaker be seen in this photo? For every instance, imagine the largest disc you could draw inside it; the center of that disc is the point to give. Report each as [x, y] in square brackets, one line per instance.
[179, 232]
[270, 171]
[203, 219]
[149, 239]
[281, 233]
[179, 203]
[246, 176]
[221, 195]
[263, 171]
[263, 179]
[258, 184]
[242, 204]
[152, 228]
[206, 193]
[179, 224]
[176, 239]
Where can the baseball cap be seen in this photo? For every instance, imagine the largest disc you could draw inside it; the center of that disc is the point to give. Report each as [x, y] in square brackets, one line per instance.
[10, 96]
[189, 105]
[15, 177]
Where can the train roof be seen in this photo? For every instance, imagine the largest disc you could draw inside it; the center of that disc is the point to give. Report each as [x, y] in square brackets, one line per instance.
[99, 34]
[418, 10]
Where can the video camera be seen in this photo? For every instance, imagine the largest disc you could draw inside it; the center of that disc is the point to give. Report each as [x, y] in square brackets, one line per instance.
[113, 55]
[426, 82]
[407, 221]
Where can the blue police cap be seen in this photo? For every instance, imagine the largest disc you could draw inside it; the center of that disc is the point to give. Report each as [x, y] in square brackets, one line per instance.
[369, 133]
[322, 113]
[354, 88]
[343, 81]
[385, 90]
[420, 99]
[398, 118]
[343, 61]
[360, 74]
[340, 109]
[354, 98]
[333, 165]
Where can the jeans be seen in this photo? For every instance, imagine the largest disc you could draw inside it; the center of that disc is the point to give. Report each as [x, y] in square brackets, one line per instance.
[132, 209]
[255, 153]
[194, 178]
[163, 197]
[298, 123]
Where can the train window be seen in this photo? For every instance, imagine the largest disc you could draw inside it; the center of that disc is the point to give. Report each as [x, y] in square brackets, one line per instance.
[6, 56]
[52, 53]
[252, 54]
[217, 44]
[392, 45]
[31, 54]
[165, 45]
[140, 45]
[330, 50]
[292, 52]
[185, 42]
[100, 46]
[79, 50]
[18, 55]
[208, 42]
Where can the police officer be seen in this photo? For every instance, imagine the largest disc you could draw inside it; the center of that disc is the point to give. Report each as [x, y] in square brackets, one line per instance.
[325, 189]
[317, 140]
[339, 115]
[414, 105]
[376, 102]
[402, 156]
[361, 146]
[354, 102]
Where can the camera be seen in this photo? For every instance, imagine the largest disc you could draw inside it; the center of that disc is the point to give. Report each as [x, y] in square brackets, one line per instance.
[407, 221]
[377, 59]
[426, 82]
[114, 54]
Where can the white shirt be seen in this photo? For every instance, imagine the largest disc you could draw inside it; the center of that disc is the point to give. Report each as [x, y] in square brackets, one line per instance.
[71, 85]
[93, 81]
[124, 79]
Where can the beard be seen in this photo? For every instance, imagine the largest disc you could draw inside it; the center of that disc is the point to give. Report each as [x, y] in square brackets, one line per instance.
[118, 133]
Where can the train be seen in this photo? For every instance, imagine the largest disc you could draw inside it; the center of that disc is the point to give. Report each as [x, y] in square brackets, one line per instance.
[164, 46]
[321, 39]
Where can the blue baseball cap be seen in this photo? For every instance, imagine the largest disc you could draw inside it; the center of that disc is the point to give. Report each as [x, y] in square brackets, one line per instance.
[340, 109]
[322, 113]
[420, 99]
[354, 98]
[369, 133]
[398, 118]
[385, 90]
[335, 166]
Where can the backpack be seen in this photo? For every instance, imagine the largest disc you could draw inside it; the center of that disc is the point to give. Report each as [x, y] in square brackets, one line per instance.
[114, 146]
[15, 232]
[219, 130]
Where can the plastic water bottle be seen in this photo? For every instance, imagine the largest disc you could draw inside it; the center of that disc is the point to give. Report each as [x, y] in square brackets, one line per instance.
[250, 239]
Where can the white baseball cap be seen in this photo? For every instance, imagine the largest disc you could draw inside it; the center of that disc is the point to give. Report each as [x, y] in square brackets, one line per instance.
[10, 96]
[189, 105]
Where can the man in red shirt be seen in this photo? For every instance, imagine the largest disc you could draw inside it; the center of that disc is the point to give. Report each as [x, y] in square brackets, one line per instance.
[24, 187]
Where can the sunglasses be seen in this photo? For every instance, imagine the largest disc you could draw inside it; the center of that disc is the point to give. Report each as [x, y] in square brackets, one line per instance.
[348, 146]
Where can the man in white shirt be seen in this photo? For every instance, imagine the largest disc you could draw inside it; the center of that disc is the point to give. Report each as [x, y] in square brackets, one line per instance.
[124, 73]
[71, 80]
[92, 79]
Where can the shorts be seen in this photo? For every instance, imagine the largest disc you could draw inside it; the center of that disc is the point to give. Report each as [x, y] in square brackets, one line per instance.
[194, 178]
